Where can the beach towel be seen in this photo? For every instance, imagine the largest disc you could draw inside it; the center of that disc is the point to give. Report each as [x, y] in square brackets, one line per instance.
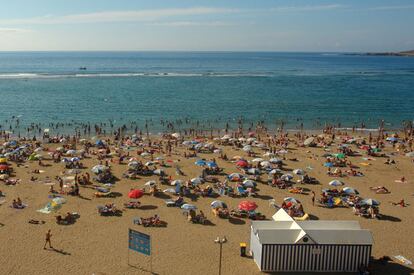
[403, 260]
[365, 164]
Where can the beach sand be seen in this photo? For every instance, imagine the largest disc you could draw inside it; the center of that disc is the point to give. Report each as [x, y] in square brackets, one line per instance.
[99, 245]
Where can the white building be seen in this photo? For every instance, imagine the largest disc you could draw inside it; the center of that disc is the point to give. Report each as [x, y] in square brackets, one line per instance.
[288, 245]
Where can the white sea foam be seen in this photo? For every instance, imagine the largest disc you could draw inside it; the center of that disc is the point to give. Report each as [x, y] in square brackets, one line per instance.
[149, 74]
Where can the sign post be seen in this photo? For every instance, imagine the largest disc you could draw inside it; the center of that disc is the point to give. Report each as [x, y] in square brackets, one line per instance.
[140, 243]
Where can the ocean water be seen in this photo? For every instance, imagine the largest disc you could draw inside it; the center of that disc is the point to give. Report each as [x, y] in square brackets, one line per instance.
[208, 89]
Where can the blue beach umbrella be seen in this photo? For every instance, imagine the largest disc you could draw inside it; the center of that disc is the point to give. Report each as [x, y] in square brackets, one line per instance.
[328, 164]
[211, 164]
[200, 162]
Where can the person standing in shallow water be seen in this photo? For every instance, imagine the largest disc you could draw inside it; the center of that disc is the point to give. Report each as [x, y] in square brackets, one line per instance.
[48, 237]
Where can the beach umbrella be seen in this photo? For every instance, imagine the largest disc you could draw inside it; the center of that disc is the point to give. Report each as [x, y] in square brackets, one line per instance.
[340, 156]
[247, 148]
[286, 177]
[149, 163]
[328, 164]
[410, 154]
[158, 172]
[3, 160]
[309, 141]
[217, 151]
[99, 168]
[212, 164]
[75, 159]
[200, 162]
[235, 176]
[38, 156]
[369, 202]
[4, 167]
[145, 154]
[99, 142]
[336, 183]
[265, 163]
[176, 182]
[247, 206]
[298, 172]
[170, 190]
[159, 158]
[275, 160]
[135, 194]
[350, 191]
[188, 206]
[218, 204]
[150, 183]
[70, 152]
[251, 139]
[226, 137]
[198, 146]
[392, 139]
[242, 163]
[275, 171]
[257, 160]
[186, 142]
[291, 200]
[253, 171]
[176, 135]
[197, 181]
[39, 149]
[133, 164]
[249, 183]
[268, 154]
[65, 160]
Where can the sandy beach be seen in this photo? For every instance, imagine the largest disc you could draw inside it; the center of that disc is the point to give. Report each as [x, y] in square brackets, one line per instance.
[97, 244]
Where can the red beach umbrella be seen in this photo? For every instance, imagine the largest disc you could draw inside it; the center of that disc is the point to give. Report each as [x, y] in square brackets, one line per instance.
[4, 167]
[242, 163]
[247, 205]
[135, 194]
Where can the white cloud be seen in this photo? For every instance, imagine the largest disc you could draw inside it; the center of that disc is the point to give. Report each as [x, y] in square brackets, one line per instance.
[308, 8]
[383, 8]
[12, 30]
[192, 23]
[151, 15]
[119, 16]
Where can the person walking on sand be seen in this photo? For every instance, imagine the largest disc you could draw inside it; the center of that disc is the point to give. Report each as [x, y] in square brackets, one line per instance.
[313, 198]
[48, 236]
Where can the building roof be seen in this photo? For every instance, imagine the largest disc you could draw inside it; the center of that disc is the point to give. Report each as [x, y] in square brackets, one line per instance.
[285, 230]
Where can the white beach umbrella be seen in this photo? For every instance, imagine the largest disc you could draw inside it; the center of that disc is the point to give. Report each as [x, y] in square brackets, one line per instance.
[286, 177]
[257, 160]
[176, 182]
[336, 183]
[298, 172]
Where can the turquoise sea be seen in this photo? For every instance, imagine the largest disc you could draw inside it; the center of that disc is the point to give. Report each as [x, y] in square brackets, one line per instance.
[213, 88]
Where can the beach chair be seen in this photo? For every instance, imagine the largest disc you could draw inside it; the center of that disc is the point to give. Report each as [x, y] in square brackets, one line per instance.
[241, 191]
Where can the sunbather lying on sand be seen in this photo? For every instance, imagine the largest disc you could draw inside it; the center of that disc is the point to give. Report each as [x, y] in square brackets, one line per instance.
[36, 221]
[380, 190]
[400, 203]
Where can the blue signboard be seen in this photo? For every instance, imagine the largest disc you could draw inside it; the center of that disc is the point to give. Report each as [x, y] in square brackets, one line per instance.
[139, 242]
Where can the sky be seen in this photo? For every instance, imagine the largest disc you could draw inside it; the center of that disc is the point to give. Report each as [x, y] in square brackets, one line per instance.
[210, 25]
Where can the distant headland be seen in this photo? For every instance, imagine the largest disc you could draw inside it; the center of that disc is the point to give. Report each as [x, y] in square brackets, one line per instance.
[404, 53]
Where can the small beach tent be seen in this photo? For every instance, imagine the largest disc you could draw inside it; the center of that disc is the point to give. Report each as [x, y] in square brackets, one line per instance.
[286, 245]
